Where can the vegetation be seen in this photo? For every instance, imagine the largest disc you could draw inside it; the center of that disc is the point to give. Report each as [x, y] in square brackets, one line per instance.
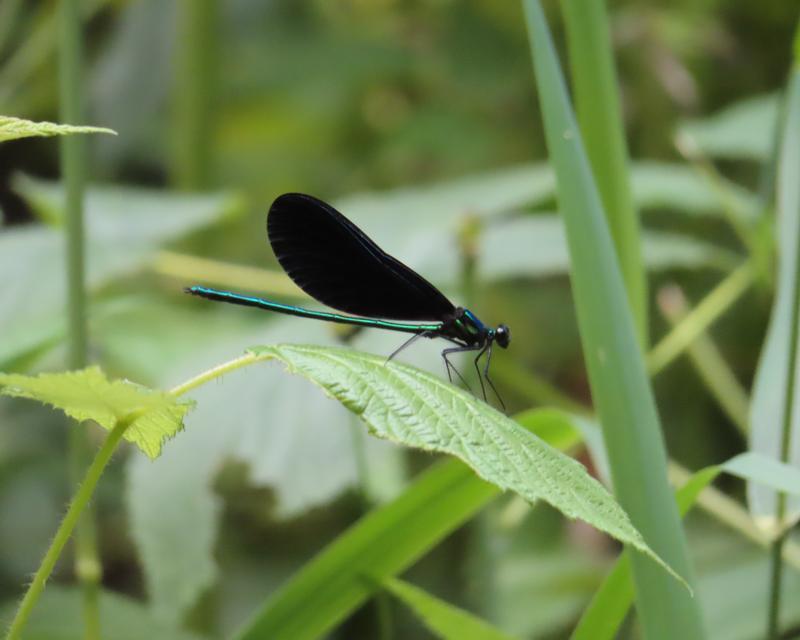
[624, 196]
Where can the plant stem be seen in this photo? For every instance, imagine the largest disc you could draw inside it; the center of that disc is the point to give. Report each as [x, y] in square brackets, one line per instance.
[9, 12]
[231, 276]
[73, 166]
[215, 372]
[776, 574]
[716, 303]
[73, 515]
[599, 114]
[709, 362]
[194, 91]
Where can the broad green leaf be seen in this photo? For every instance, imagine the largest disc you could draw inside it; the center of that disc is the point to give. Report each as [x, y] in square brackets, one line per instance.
[383, 543]
[743, 130]
[58, 616]
[481, 195]
[442, 618]
[680, 188]
[88, 395]
[14, 128]
[125, 227]
[619, 382]
[774, 409]
[535, 246]
[417, 409]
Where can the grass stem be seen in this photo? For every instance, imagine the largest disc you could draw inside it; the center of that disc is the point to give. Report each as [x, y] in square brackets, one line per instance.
[73, 166]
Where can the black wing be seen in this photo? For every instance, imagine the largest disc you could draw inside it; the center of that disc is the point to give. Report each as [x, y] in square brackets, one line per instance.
[332, 260]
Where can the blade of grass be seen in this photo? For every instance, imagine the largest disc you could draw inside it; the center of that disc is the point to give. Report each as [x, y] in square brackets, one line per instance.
[73, 165]
[774, 416]
[709, 362]
[713, 305]
[619, 382]
[594, 81]
[442, 618]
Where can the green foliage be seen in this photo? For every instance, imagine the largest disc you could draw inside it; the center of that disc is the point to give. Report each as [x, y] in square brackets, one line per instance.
[398, 114]
[741, 131]
[417, 409]
[14, 128]
[153, 416]
[774, 417]
[443, 619]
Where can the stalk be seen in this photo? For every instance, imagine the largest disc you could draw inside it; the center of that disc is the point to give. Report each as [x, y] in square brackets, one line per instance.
[193, 98]
[76, 508]
[73, 165]
[595, 85]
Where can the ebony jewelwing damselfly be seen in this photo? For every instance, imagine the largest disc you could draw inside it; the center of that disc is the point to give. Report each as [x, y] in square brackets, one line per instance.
[333, 261]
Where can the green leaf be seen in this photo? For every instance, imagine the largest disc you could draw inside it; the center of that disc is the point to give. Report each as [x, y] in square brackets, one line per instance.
[124, 226]
[619, 382]
[417, 409]
[535, 246]
[383, 543]
[743, 130]
[774, 414]
[441, 618]
[57, 616]
[681, 188]
[88, 395]
[14, 128]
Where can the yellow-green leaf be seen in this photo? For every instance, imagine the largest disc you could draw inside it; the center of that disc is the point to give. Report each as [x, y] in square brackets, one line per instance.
[89, 395]
[13, 128]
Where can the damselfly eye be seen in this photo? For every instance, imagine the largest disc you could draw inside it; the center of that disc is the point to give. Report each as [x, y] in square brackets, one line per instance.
[502, 335]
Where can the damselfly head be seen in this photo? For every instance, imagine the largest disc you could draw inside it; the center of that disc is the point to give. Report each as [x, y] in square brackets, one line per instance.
[502, 335]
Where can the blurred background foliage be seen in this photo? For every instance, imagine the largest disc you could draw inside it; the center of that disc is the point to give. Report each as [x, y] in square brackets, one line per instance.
[419, 120]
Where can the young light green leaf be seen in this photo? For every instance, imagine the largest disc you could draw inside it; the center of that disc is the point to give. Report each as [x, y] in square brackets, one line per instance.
[774, 414]
[415, 408]
[14, 128]
[442, 618]
[89, 395]
[742, 130]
